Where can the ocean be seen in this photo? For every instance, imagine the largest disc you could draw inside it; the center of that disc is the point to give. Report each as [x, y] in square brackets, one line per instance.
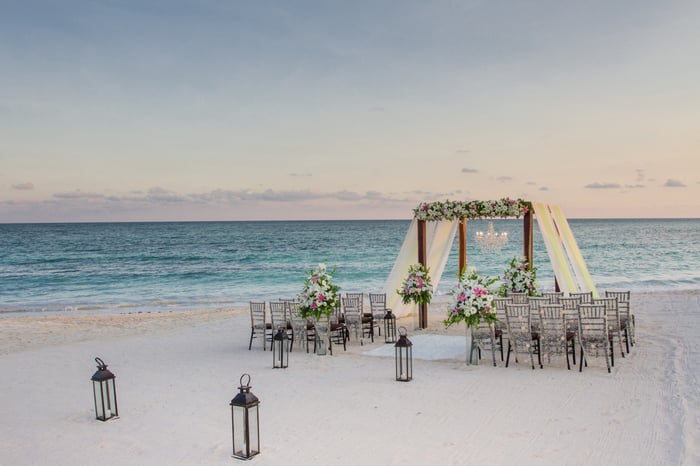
[142, 267]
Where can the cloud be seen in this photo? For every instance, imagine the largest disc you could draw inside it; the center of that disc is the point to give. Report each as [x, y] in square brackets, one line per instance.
[23, 186]
[640, 175]
[163, 195]
[470, 170]
[671, 183]
[503, 179]
[544, 188]
[597, 185]
[531, 183]
[301, 174]
[78, 195]
[634, 186]
[462, 151]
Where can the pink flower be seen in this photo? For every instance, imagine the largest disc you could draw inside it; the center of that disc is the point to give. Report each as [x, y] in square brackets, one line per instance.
[321, 297]
[314, 279]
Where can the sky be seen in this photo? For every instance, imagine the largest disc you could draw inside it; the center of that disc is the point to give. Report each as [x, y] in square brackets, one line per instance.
[236, 110]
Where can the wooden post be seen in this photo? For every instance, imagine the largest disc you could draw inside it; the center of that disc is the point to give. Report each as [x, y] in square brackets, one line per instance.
[527, 236]
[462, 246]
[422, 258]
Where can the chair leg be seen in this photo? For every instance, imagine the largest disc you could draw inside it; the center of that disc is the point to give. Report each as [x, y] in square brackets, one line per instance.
[508, 354]
[493, 350]
[581, 358]
[612, 352]
[252, 333]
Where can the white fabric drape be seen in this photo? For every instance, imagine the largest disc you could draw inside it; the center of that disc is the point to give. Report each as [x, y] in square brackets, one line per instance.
[439, 238]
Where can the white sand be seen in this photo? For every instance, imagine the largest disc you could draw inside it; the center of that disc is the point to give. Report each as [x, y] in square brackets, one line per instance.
[176, 374]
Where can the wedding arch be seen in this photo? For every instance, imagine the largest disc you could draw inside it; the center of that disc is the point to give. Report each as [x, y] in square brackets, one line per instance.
[435, 224]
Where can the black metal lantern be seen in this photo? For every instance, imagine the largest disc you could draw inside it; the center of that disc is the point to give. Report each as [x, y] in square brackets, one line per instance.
[280, 349]
[404, 357]
[244, 422]
[104, 391]
[389, 327]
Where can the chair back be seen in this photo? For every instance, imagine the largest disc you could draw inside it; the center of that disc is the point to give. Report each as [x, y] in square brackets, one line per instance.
[279, 313]
[535, 302]
[352, 308]
[592, 322]
[611, 312]
[586, 296]
[519, 298]
[623, 302]
[519, 323]
[257, 314]
[499, 305]
[553, 296]
[360, 297]
[377, 302]
[552, 319]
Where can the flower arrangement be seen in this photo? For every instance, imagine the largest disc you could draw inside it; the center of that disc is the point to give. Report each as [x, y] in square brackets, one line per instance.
[519, 278]
[320, 296]
[471, 301]
[416, 287]
[453, 210]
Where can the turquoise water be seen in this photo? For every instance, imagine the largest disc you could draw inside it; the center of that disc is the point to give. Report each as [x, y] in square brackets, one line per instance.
[194, 265]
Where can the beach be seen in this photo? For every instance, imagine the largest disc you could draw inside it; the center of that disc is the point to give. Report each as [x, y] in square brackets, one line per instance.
[177, 372]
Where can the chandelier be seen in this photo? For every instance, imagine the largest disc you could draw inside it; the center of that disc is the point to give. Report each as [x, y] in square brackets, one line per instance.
[491, 240]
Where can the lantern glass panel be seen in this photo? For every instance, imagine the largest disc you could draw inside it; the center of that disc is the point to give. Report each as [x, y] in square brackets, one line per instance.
[97, 388]
[404, 371]
[105, 399]
[280, 350]
[240, 441]
[389, 328]
[253, 431]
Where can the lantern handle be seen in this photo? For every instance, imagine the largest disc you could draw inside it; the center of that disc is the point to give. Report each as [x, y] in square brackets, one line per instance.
[247, 384]
[405, 332]
[100, 363]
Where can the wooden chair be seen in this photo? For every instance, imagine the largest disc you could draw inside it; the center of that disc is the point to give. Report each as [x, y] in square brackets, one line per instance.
[613, 317]
[626, 316]
[367, 317]
[570, 315]
[553, 332]
[377, 306]
[485, 338]
[520, 336]
[356, 320]
[259, 324]
[280, 317]
[594, 337]
[298, 323]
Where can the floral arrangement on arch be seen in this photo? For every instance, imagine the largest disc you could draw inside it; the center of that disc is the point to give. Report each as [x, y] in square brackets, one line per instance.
[519, 278]
[416, 287]
[471, 300]
[454, 210]
[320, 296]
